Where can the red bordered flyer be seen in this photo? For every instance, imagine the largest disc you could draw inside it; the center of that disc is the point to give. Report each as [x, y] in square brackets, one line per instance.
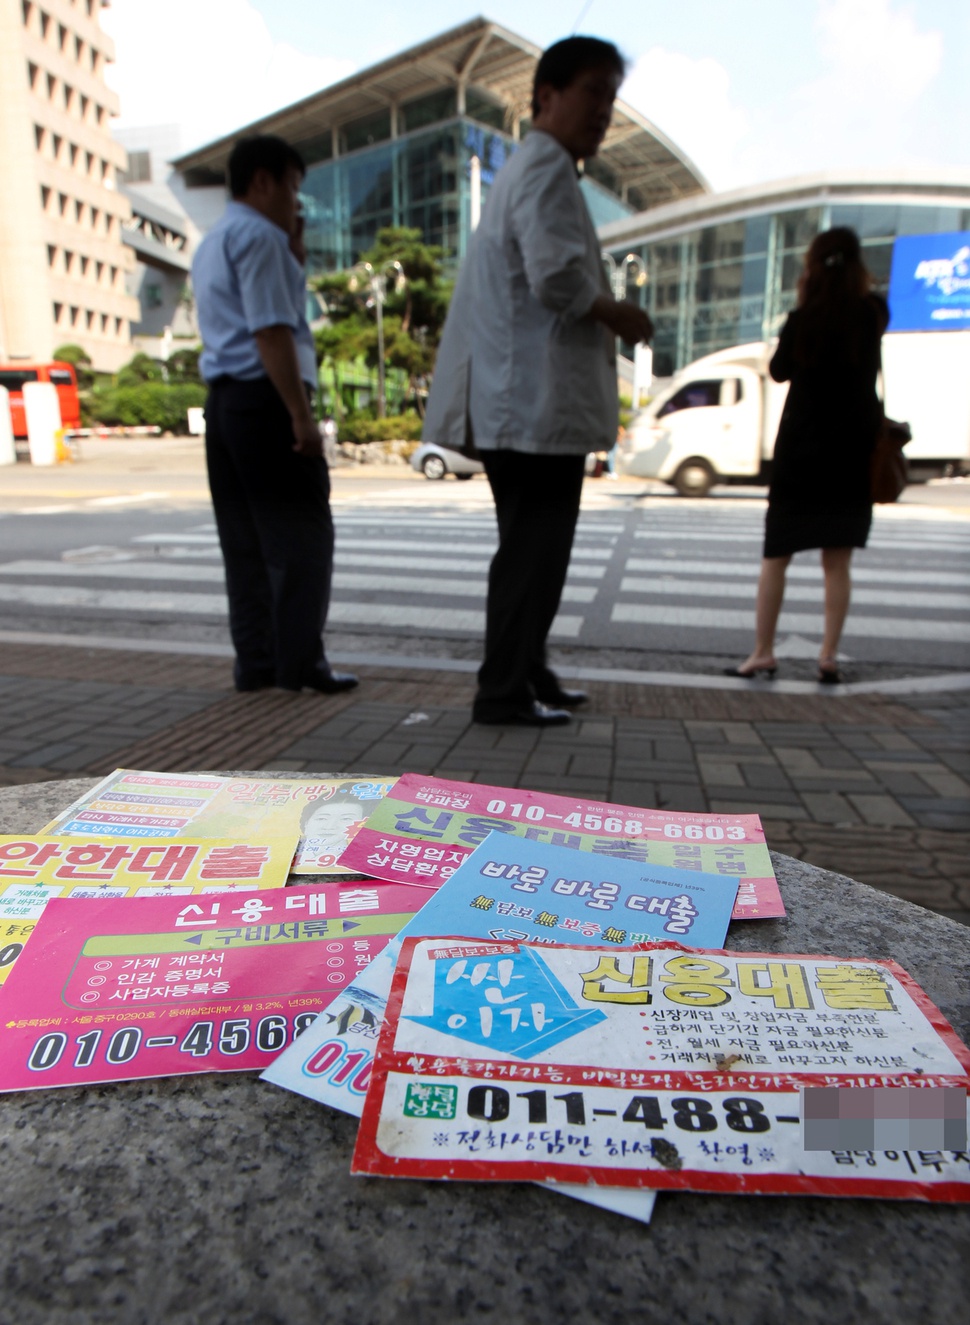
[425, 828]
[656, 1066]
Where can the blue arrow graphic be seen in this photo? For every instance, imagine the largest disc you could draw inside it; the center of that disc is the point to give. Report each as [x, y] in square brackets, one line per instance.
[513, 1004]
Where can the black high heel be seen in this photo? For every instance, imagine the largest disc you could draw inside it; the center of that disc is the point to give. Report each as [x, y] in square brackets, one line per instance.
[829, 676]
[767, 672]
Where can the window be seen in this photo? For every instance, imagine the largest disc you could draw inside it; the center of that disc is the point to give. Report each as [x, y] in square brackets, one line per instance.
[32, 72]
[84, 107]
[14, 378]
[693, 395]
[60, 377]
[99, 270]
[72, 151]
[51, 87]
[139, 168]
[153, 296]
[61, 35]
[62, 201]
[56, 141]
[51, 254]
[88, 319]
[68, 260]
[428, 110]
[104, 324]
[75, 314]
[78, 210]
[118, 326]
[58, 312]
[39, 133]
[85, 263]
[45, 196]
[28, 9]
[45, 23]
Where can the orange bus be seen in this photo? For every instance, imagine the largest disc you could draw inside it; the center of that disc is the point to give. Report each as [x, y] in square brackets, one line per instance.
[61, 375]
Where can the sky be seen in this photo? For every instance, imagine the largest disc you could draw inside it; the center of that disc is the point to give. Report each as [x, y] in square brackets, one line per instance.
[750, 90]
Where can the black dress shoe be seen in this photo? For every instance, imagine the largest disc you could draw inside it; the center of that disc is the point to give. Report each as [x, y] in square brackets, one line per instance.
[564, 699]
[327, 682]
[525, 715]
[331, 683]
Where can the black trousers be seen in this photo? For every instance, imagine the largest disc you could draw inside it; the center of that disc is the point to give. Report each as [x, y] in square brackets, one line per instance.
[537, 501]
[272, 510]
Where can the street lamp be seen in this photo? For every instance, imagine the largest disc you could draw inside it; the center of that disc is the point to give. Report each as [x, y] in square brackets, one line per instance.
[619, 272]
[642, 354]
[376, 278]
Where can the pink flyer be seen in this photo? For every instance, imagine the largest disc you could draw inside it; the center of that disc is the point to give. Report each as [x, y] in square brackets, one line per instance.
[117, 988]
[425, 828]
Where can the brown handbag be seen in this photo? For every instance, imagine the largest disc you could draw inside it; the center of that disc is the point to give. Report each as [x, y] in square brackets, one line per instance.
[888, 471]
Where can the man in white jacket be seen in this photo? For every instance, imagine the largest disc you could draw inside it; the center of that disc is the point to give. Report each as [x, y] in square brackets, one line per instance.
[527, 371]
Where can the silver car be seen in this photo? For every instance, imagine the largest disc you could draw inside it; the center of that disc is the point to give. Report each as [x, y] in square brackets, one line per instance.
[438, 462]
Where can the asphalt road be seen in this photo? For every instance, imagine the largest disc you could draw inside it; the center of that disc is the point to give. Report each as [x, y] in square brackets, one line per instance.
[121, 546]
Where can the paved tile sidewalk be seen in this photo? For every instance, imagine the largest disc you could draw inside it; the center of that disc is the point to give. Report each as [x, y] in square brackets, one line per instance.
[878, 789]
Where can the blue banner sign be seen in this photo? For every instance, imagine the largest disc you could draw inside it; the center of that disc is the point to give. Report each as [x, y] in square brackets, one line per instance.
[929, 286]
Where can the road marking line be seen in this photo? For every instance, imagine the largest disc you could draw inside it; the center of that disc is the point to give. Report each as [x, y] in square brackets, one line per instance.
[806, 593]
[860, 627]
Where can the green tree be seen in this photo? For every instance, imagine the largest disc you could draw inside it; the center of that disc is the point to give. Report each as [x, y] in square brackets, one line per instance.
[80, 361]
[140, 369]
[183, 365]
[414, 309]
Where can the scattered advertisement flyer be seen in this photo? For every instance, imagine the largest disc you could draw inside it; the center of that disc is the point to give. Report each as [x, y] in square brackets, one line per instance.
[425, 827]
[508, 887]
[324, 812]
[35, 869]
[654, 1066]
[120, 988]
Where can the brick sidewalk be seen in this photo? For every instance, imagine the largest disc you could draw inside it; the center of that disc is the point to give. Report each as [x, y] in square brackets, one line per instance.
[875, 788]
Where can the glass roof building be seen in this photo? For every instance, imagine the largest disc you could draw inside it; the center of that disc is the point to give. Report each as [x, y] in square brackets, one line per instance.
[722, 269]
[394, 146]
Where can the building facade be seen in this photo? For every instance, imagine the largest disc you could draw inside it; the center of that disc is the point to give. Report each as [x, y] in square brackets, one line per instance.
[723, 269]
[63, 260]
[416, 140]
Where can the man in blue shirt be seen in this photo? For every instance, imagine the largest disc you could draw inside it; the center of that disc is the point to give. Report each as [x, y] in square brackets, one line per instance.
[270, 484]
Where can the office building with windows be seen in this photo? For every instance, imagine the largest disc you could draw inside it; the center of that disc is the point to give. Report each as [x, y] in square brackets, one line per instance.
[416, 141]
[722, 269]
[63, 259]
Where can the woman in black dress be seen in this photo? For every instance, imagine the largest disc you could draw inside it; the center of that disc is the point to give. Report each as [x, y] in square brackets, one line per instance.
[820, 490]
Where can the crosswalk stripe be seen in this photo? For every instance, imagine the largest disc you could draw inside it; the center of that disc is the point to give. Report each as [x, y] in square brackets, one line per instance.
[115, 570]
[806, 593]
[860, 574]
[121, 600]
[451, 619]
[444, 588]
[704, 618]
[707, 535]
[378, 544]
[148, 601]
[155, 570]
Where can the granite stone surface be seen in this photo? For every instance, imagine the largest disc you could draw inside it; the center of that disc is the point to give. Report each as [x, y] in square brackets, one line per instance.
[222, 1199]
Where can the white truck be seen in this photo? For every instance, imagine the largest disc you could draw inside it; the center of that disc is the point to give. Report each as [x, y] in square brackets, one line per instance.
[717, 420]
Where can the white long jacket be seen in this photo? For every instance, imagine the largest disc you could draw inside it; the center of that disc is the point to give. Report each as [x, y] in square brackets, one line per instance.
[520, 364]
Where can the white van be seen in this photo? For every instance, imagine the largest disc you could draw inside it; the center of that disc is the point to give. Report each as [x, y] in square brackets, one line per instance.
[717, 420]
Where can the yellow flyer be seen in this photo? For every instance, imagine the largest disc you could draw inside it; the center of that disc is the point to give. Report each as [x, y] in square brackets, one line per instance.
[35, 869]
[324, 812]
